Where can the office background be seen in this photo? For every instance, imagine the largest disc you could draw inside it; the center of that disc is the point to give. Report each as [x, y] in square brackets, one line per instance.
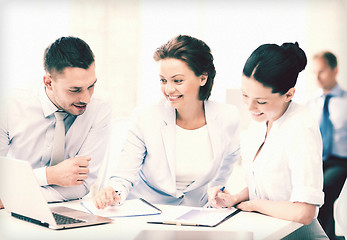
[124, 34]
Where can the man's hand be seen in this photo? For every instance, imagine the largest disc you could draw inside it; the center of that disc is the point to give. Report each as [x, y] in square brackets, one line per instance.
[107, 196]
[1, 205]
[68, 173]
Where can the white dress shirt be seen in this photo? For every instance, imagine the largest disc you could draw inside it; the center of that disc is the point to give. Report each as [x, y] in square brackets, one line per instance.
[27, 132]
[338, 117]
[289, 165]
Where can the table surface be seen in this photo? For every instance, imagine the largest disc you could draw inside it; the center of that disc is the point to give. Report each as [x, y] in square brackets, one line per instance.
[262, 227]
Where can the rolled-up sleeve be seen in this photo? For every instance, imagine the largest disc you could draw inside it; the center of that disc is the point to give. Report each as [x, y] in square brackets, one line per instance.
[306, 166]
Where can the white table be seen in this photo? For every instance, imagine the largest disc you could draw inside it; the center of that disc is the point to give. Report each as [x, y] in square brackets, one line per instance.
[263, 227]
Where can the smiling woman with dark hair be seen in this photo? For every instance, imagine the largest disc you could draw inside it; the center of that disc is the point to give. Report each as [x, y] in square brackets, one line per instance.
[185, 144]
[281, 150]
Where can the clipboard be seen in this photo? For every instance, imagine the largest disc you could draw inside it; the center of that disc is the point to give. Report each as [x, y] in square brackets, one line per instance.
[192, 216]
[130, 208]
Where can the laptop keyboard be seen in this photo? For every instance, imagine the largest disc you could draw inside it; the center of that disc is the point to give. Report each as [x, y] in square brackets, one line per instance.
[62, 220]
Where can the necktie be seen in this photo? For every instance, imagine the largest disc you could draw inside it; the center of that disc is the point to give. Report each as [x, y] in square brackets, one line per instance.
[326, 128]
[59, 139]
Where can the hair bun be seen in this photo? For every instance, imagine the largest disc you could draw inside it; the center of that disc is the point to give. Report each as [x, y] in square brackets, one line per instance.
[294, 49]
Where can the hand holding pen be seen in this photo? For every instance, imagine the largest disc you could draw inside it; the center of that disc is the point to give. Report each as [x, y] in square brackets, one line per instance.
[223, 199]
[213, 193]
[106, 197]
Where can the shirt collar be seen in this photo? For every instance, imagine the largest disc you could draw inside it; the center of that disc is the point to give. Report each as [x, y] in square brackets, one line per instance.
[281, 119]
[47, 106]
[337, 91]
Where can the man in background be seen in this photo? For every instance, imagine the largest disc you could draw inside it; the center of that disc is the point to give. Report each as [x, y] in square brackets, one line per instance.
[330, 109]
[61, 129]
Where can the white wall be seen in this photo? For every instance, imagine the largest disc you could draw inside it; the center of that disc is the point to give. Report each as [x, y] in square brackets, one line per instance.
[26, 28]
[232, 29]
[327, 30]
[124, 34]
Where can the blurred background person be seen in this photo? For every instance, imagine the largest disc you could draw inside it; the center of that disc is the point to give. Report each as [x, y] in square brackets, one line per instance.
[329, 107]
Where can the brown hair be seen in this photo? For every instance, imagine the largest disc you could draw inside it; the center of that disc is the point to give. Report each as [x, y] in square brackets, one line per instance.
[196, 54]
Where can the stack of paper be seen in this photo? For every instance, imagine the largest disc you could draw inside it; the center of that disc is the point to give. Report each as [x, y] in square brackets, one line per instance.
[130, 208]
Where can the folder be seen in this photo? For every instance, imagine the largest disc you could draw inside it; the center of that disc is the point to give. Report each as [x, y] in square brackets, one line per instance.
[193, 216]
[130, 208]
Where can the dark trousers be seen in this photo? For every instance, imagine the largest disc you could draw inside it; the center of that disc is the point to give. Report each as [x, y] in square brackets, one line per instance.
[335, 173]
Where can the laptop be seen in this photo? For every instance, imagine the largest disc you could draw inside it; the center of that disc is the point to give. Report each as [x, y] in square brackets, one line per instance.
[23, 198]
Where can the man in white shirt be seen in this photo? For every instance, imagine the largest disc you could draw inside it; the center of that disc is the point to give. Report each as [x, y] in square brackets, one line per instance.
[27, 122]
[331, 102]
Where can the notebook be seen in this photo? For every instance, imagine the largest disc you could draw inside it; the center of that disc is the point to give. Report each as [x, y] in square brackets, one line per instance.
[23, 199]
[130, 208]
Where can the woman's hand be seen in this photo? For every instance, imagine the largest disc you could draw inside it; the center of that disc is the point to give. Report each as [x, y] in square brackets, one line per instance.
[105, 197]
[220, 199]
[248, 206]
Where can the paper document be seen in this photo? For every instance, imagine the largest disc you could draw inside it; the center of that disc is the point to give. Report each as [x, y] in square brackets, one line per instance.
[130, 208]
[190, 216]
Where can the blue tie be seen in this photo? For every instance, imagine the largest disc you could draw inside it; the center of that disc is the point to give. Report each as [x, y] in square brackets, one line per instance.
[326, 129]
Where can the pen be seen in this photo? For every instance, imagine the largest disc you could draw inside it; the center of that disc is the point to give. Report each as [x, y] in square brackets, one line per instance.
[150, 204]
[116, 194]
[209, 202]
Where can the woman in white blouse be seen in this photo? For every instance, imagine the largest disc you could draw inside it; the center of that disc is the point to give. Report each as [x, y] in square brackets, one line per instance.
[178, 148]
[281, 151]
